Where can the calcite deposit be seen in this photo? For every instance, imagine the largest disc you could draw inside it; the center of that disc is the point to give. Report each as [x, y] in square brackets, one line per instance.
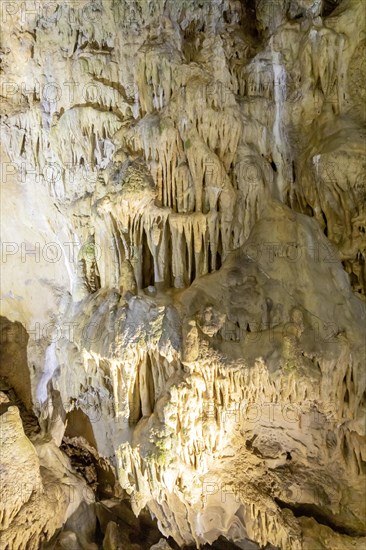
[183, 274]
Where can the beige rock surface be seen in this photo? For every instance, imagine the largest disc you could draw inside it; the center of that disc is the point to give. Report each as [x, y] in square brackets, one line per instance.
[38, 488]
[183, 273]
[161, 545]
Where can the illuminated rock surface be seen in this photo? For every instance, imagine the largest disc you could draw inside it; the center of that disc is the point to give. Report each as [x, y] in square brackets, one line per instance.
[183, 257]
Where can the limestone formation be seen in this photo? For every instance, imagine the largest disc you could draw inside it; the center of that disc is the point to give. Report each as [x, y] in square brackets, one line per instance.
[183, 274]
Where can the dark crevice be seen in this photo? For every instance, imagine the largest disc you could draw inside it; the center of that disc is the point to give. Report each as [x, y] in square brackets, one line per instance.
[76, 41]
[93, 46]
[249, 18]
[219, 252]
[29, 420]
[346, 397]
[329, 6]
[82, 461]
[223, 544]
[147, 397]
[325, 224]
[274, 167]
[147, 263]
[22, 148]
[14, 370]
[135, 405]
[313, 511]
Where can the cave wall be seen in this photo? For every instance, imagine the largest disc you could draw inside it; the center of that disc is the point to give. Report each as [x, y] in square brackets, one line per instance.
[183, 244]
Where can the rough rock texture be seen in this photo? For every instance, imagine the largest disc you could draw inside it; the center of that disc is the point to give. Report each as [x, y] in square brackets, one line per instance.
[38, 488]
[183, 256]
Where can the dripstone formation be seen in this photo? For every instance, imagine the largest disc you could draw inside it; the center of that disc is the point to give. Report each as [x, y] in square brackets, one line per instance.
[183, 259]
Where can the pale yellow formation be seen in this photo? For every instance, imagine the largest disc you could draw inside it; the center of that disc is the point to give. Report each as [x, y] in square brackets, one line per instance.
[183, 249]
